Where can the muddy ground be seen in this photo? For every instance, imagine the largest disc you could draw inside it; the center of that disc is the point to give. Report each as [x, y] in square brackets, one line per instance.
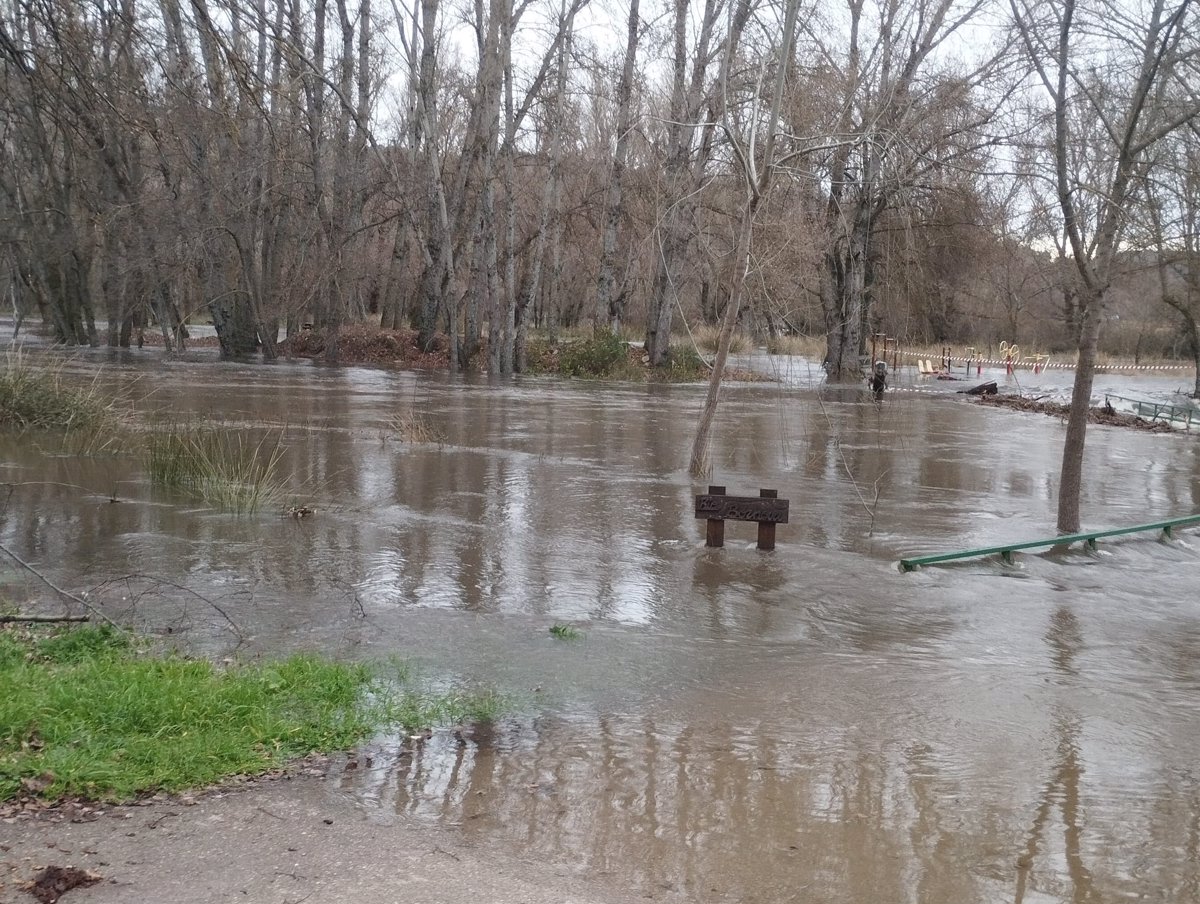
[281, 841]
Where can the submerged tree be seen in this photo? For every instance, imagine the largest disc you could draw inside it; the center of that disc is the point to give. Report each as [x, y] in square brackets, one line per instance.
[1108, 69]
[905, 115]
[1173, 232]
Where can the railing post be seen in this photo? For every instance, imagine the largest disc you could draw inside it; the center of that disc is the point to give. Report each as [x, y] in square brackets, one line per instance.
[766, 530]
[714, 534]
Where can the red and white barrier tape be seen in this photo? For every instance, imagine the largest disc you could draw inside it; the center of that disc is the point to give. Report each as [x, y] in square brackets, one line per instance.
[1056, 365]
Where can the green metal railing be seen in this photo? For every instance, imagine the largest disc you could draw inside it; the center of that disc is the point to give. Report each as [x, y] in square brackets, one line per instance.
[1177, 414]
[1088, 538]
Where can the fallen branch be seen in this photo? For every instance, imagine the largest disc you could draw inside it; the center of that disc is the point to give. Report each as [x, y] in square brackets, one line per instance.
[40, 619]
[63, 593]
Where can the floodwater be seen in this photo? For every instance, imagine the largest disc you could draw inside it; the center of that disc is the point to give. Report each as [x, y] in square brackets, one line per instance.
[734, 725]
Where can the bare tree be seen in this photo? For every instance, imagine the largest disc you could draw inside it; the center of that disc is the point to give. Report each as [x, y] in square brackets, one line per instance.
[904, 115]
[610, 300]
[756, 165]
[1143, 52]
[688, 153]
[1173, 236]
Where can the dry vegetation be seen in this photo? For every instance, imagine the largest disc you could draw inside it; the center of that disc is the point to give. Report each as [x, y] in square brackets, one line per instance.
[1098, 415]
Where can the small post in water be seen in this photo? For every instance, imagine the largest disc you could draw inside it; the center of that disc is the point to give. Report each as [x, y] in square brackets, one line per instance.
[714, 534]
[766, 529]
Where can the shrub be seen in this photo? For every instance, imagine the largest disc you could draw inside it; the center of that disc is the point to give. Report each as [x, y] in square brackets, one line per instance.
[599, 356]
[685, 363]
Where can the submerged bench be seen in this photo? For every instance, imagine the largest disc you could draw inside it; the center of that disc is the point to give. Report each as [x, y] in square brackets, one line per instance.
[1088, 538]
[766, 508]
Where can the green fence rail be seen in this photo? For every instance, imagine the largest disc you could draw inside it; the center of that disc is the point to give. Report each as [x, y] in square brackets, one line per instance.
[1088, 538]
[1162, 411]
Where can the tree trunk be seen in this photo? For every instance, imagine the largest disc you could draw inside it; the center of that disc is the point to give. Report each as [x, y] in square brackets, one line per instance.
[844, 293]
[609, 302]
[700, 465]
[1071, 475]
[682, 181]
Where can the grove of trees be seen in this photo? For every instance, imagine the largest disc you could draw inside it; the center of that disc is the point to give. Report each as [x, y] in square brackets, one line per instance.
[939, 170]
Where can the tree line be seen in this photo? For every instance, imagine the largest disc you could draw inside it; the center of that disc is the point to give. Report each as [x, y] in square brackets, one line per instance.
[934, 169]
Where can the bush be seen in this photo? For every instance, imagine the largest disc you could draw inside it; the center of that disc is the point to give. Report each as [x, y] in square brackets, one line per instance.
[595, 357]
[540, 356]
[685, 363]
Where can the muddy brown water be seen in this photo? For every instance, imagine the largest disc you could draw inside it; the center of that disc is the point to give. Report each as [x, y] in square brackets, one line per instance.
[803, 725]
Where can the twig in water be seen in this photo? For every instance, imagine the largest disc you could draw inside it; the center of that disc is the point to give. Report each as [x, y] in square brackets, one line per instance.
[63, 593]
[837, 444]
[180, 587]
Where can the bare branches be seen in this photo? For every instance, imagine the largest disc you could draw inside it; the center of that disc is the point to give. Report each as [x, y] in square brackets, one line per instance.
[65, 594]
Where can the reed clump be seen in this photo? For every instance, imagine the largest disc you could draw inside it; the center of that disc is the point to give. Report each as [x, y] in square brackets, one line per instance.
[37, 396]
[707, 337]
[801, 346]
[411, 426]
[234, 469]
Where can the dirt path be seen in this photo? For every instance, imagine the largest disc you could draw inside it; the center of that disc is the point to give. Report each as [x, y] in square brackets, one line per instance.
[279, 842]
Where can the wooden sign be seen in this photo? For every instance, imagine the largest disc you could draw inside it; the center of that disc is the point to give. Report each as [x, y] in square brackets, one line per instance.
[766, 509]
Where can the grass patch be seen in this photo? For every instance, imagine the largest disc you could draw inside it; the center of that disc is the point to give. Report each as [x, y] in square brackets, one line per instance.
[86, 712]
[37, 396]
[600, 356]
[805, 346]
[684, 365]
[233, 469]
[411, 427]
[565, 632]
[708, 335]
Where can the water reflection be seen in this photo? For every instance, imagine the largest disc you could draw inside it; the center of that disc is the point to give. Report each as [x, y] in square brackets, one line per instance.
[735, 725]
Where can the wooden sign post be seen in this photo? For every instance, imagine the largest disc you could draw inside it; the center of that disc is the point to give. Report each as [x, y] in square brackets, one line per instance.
[766, 508]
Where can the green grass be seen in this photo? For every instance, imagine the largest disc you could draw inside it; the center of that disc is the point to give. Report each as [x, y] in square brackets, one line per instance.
[234, 469]
[88, 712]
[601, 355]
[565, 632]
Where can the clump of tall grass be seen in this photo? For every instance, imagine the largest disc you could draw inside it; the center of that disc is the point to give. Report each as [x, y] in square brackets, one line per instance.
[601, 355]
[807, 346]
[412, 427]
[36, 396]
[233, 469]
[87, 712]
[707, 336]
